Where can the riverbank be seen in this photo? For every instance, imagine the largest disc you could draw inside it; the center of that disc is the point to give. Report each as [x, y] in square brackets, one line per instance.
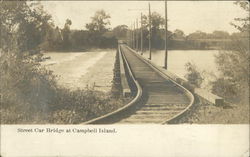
[210, 114]
[38, 98]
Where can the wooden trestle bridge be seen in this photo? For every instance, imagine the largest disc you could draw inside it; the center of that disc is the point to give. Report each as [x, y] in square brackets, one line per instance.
[157, 98]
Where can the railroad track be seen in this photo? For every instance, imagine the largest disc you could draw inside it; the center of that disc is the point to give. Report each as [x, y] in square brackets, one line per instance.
[158, 99]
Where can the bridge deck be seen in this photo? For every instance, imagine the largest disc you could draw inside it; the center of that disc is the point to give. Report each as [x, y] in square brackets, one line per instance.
[162, 98]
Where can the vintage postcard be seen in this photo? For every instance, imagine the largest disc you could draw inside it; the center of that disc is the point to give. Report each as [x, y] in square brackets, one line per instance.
[124, 78]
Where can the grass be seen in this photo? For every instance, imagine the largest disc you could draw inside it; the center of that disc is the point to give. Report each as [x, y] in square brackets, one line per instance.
[66, 107]
[30, 95]
[204, 113]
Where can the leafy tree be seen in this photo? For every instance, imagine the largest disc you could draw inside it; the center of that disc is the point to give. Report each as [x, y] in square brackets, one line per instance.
[99, 22]
[145, 20]
[220, 35]
[233, 63]
[23, 26]
[244, 22]
[145, 30]
[120, 31]
[66, 35]
[157, 21]
[56, 44]
[193, 76]
[157, 36]
[178, 34]
[197, 35]
[99, 34]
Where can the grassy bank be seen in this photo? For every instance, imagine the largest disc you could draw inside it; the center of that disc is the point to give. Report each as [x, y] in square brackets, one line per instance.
[66, 107]
[30, 95]
[204, 113]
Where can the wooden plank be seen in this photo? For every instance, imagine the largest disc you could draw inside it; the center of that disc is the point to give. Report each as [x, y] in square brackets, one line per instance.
[210, 97]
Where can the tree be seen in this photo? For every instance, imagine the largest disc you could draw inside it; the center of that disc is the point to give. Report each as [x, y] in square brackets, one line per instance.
[120, 31]
[233, 63]
[144, 20]
[66, 34]
[178, 34]
[23, 26]
[193, 76]
[244, 22]
[157, 21]
[197, 35]
[99, 22]
[157, 36]
[220, 35]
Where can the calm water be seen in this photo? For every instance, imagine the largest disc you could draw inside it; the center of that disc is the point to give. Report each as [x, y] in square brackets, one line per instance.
[78, 69]
[203, 59]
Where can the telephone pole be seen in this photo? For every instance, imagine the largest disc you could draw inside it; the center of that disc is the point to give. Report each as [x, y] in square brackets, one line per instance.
[138, 31]
[134, 37]
[131, 36]
[149, 43]
[166, 36]
[141, 36]
[137, 36]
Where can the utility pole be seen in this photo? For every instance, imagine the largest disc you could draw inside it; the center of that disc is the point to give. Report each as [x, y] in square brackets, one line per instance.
[166, 36]
[138, 31]
[141, 36]
[128, 37]
[149, 43]
[134, 37]
[131, 36]
[137, 36]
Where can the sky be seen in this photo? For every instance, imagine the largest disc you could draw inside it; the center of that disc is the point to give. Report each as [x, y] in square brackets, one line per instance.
[188, 16]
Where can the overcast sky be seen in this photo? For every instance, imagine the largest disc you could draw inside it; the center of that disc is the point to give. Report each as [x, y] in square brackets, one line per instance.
[188, 16]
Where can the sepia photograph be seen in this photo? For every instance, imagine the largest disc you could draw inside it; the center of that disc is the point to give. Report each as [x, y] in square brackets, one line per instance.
[124, 62]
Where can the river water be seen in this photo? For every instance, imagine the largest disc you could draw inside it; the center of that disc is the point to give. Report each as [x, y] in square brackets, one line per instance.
[203, 59]
[79, 69]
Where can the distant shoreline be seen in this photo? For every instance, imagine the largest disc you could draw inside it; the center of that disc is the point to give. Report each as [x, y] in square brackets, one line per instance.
[78, 51]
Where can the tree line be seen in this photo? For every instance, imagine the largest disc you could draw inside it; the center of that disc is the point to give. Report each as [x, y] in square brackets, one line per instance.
[177, 39]
[96, 35]
[38, 32]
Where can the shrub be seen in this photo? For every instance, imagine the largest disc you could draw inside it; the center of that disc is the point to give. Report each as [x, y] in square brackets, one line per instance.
[29, 94]
[193, 76]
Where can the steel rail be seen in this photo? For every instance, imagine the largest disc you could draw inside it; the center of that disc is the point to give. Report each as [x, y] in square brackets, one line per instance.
[125, 107]
[103, 119]
[164, 75]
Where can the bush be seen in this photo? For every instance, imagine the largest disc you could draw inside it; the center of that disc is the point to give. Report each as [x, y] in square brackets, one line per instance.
[233, 62]
[23, 84]
[193, 76]
[29, 94]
